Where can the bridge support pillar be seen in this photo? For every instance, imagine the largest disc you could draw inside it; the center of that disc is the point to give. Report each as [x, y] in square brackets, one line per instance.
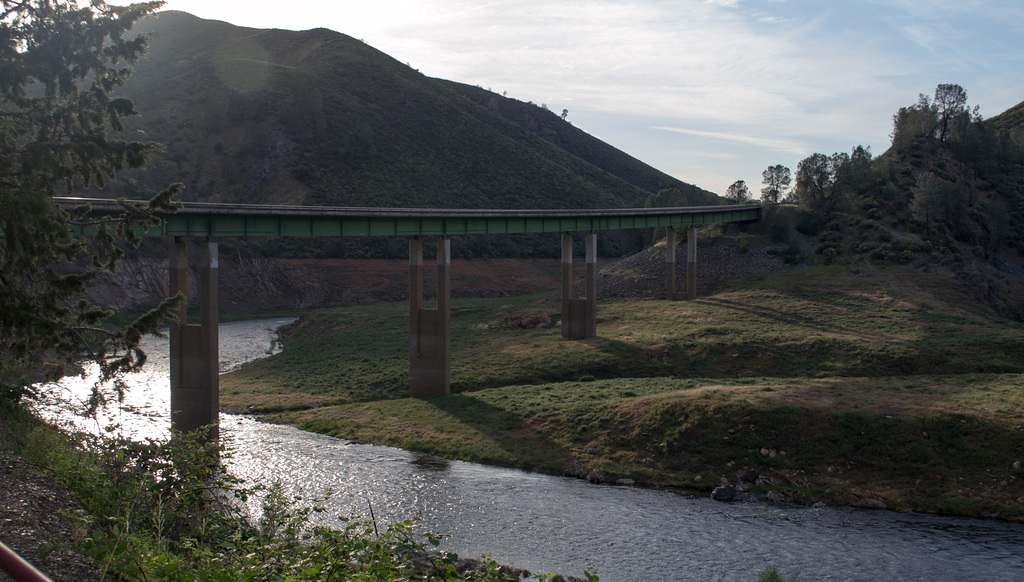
[670, 263]
[691, 263]
[429, 329]
[194, 349]
[579, 316]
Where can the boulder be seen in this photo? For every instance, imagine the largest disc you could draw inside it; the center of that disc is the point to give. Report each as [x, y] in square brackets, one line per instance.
[724, 492]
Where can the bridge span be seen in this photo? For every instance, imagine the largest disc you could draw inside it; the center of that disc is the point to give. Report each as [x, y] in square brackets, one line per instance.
[194, 352]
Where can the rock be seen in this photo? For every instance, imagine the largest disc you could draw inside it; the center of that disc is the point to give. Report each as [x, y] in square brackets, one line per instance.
[1016, 464]
[625, 482]
[725, 492]
[575, 470]
[671, 447]
[819, 505]
[749, 476]
[764, 452]
[311, 405]
[592, 451]
[698, 478]
[787, 496]
[595, 476]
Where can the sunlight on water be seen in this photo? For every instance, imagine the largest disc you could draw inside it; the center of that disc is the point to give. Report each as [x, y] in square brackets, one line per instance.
[546, 524]
[145, 411]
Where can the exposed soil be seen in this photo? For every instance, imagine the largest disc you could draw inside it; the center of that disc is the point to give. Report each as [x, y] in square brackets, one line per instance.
[36, 518]
[645, 274]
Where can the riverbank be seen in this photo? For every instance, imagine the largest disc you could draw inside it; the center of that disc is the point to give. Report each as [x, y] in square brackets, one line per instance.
[857, 387]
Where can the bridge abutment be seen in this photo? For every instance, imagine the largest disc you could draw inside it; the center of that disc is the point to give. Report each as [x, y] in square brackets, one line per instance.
[579, 316]
[195, 348]
[429, 329]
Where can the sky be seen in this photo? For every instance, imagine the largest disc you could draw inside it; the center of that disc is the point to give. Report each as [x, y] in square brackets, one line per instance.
[708, 91]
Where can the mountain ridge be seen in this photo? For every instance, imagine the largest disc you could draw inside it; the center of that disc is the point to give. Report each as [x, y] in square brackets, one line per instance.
[317, 117]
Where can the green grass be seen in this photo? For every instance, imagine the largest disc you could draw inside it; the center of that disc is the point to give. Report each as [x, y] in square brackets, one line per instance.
[847, 389]
[866, 329]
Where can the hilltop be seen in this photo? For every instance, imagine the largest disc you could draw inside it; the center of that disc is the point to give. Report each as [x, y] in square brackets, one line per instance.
[317, 117]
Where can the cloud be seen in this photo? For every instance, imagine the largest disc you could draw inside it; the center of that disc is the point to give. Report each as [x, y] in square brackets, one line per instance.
[779, 145]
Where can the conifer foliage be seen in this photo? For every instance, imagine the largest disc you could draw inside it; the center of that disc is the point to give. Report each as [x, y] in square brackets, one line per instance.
[60, 65]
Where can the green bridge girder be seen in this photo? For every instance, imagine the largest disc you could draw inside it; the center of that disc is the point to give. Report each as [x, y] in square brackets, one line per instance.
[214, 220]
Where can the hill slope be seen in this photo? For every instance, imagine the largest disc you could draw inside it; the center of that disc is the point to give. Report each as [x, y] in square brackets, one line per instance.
[317, 117]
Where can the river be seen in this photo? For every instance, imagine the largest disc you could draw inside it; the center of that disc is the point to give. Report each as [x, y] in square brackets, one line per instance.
[555, 524]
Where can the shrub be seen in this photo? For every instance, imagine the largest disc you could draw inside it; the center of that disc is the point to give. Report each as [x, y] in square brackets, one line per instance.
[771, 574]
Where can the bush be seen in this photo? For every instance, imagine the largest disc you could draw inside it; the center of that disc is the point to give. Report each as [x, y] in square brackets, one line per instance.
[809, 224]
[164, 511]
[771, 574]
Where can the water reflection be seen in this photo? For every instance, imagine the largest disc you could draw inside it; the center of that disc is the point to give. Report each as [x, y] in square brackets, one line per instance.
[548, 524]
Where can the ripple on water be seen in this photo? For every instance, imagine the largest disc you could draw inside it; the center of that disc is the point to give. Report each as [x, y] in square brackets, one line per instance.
[545, 523]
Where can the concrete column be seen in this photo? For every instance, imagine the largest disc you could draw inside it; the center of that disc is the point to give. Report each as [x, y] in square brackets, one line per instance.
[670, 264]
[591, 286]
[579, 316]
[691, 264]
[178, 284]
[195, 349]
[566, 285]
[209, 278]
[429, 329]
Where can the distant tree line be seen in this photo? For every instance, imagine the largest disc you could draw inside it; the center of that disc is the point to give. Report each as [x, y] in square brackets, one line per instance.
[949, 176]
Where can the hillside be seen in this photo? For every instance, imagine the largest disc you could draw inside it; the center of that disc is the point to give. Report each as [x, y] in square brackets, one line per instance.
[317, 117]
[949, 203]
[1011, 119]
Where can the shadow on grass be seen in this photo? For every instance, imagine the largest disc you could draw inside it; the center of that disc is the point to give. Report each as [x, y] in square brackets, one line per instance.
[524, 441]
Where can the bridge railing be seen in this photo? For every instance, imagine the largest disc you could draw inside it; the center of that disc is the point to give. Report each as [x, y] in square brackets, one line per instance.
[260, 220]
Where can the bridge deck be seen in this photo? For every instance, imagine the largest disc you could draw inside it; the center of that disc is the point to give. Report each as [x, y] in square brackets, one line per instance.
[258, 220]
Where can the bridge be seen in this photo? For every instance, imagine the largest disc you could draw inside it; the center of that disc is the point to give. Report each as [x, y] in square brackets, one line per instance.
[194, 351]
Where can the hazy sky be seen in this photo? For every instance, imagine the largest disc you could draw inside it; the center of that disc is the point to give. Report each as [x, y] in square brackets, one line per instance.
[709, 91]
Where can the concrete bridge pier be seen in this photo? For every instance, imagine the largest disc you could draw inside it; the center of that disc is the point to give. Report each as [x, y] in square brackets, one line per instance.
[195, 349]
[691, 263]
[429, 329]
[670, 263]
[579, 316]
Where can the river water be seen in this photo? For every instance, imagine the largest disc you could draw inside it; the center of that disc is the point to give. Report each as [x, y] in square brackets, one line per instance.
[554, 524]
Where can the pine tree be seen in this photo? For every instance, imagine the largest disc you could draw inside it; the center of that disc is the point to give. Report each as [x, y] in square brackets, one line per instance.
[60, 65]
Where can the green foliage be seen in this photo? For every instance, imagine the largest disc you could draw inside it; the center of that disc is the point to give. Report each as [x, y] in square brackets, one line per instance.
[60, 65]
[166, 512]
[771, 574]
[742, 244]
[776, 220]
[824, 184]
[738, 192]
[776, 180]
[830, 244]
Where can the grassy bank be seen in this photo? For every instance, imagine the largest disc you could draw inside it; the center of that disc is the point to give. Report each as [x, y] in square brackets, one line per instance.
[97, 508]
[874, 388]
